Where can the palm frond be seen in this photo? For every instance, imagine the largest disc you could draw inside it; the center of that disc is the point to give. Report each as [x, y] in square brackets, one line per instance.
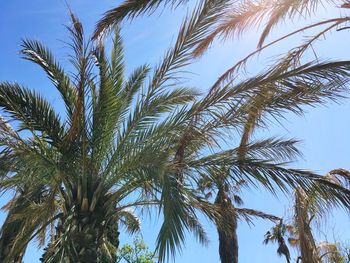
[271, 176]
[252, 14]
[34, 112]
[297, 52]
[172, 232]
[130, 220]
[128, 10]
[39, 54]
[109, 102]
[273, 149]
[248, 214]
[197, 228]
[193, 30]
[342, 177]
[82, 62]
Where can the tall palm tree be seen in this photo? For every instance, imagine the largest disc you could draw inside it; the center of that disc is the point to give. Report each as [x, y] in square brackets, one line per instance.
[310, 206]
[91, 131]
[124, 143]
[227, 199]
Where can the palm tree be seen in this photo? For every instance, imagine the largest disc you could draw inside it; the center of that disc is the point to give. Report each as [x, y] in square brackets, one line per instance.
[227, 199]
[307, 243]
[124, 143]
[308, 207]
[313, 206]
[277, 233]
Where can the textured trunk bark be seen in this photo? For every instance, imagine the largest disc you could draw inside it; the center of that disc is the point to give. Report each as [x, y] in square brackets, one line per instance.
[307, 242]
[86, 230]
[228, 246]
[113, 237]
[87, 247]
[228, 241]
[85, 239]
[81, 247]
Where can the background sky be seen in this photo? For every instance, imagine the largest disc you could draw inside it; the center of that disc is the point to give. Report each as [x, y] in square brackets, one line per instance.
[324, 131]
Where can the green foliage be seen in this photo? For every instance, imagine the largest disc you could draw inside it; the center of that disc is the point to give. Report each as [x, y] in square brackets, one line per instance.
[138, 252]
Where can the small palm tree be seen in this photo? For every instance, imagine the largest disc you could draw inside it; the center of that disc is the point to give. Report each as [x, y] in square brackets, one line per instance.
[277, 234]
[308, 207]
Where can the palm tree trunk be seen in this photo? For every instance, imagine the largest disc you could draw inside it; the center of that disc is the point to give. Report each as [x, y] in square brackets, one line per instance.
[113, 237]
[228, 240]
[85, 240]
[85, 243]
[307, 242]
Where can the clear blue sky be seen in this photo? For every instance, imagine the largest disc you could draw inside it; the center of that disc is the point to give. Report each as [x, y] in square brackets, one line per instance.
[324, 131]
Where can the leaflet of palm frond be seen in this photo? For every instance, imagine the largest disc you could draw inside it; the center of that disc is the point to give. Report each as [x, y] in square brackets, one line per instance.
[329, 252]
[249, 214]
[342, 175]
[250, 14]
[240, 65]
[128, 10]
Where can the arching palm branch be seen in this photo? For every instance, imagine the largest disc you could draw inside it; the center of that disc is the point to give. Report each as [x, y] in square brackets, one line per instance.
[126, 143]
[130, 9]
[267, 14]
[235, 18]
